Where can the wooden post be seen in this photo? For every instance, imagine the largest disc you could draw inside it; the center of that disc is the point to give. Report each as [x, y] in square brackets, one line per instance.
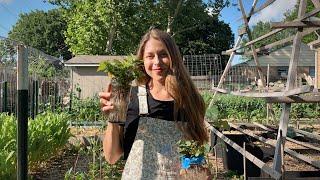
[22, 112]
[268, 105]
[244, 162]
[216, 159]
[70, 102]
[291, 81]
[249, 156]
[254, 53]
[226, 69]
[5, 96]
[316, 3]
[316, 78]
[292, 72]
[36, 111]
[56, 96]
[283, 127]
[282, 155]
[71, 93]
[268, 76]
[33, 100]
[228, 66]
[5, 91]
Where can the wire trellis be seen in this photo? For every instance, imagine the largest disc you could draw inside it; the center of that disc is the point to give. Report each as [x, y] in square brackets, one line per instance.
[49, 80]
[205, 70]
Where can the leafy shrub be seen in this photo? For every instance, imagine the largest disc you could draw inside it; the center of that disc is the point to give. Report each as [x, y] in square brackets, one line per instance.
[192, 148]
[47, 134]
[300, 110]
[8, 157]
[235, 107]
[253, 109]
[86, 110]
[122, 72]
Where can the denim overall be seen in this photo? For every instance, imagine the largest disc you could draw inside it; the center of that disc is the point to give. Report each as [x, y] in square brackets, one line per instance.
[154, 152]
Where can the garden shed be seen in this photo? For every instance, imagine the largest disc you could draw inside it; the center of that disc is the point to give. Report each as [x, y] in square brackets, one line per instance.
[84, 75]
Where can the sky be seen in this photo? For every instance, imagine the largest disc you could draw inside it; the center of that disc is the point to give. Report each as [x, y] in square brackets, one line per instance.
[10, 10]
[273, 12]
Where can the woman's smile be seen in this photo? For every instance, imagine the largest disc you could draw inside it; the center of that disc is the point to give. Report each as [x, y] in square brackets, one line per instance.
[158, 69]
[156, 59]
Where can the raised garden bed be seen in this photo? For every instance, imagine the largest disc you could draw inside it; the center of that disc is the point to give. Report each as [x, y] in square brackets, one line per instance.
[294, 168]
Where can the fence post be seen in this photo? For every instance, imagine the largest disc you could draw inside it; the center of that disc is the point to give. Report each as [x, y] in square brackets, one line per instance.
[56, 98]
[70, 102]
[33, 99]
[22, 112]
[36, 97]
[4, 96]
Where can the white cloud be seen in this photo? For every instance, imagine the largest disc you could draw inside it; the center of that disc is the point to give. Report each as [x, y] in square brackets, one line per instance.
[274, 12]
[5, 1]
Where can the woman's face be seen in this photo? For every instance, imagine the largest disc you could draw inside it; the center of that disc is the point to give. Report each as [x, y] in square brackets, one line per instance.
[156, 59]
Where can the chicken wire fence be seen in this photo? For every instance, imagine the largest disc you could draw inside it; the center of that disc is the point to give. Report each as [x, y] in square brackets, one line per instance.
[48, 79]
[206, 71]
[240, 77]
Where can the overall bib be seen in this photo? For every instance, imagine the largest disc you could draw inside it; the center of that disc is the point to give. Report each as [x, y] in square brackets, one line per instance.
[154, 152]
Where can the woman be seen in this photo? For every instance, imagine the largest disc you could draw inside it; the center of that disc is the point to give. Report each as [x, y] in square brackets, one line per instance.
[164, 108]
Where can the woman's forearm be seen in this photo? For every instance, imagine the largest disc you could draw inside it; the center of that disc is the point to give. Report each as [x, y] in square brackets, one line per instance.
[111, 144]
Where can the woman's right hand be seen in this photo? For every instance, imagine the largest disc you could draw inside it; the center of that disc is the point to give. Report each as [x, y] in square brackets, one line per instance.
[105, 100]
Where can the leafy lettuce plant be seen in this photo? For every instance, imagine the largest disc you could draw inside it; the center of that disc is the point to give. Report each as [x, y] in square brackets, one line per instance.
[191, 148]
[122, 72]
[47, 134]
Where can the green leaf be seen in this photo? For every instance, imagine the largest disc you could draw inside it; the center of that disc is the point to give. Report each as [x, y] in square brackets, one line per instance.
[102, 66]
[10, 155]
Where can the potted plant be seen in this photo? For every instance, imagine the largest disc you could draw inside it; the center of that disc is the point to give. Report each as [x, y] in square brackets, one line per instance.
[122, 73]
[192, 153]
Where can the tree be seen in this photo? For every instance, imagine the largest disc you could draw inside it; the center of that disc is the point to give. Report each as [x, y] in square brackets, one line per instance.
[212, 37]
[262, 28]
[291, 15]
[115, 27]
[43, 31]
[102, 27]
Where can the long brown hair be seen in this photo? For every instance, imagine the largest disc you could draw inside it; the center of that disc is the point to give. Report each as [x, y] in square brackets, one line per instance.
[187, 100]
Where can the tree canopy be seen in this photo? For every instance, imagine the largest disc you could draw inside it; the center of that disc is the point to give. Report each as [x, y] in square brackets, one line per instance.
[115, 27]
[42, 30]
[291, 15]
[262, 28]
[212, 37]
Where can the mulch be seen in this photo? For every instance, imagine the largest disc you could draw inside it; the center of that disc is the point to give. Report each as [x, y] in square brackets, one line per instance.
[56, 167]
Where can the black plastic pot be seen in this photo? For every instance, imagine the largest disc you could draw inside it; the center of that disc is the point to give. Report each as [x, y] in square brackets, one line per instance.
[233, 160]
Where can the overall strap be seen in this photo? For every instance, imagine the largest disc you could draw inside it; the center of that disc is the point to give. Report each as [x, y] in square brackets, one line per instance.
[142, 97]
